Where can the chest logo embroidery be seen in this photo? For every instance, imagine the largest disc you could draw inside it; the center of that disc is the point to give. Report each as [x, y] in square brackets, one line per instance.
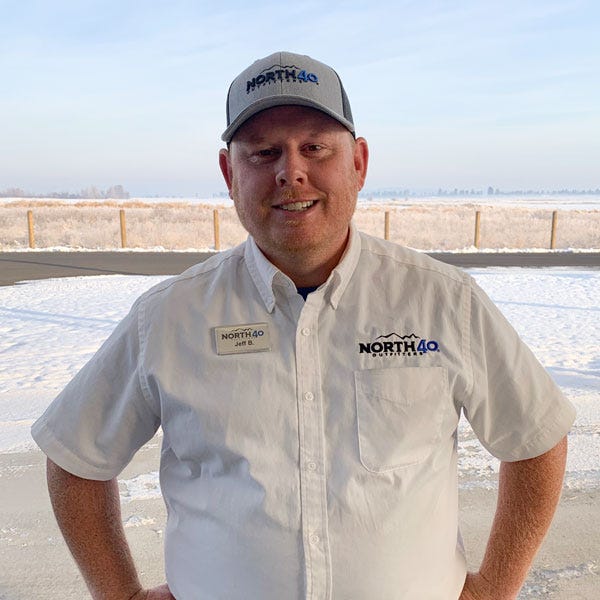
[394, 344]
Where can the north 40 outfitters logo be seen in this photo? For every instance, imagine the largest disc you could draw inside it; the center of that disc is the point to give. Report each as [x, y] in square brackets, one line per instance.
[394, 344]
[280, 73]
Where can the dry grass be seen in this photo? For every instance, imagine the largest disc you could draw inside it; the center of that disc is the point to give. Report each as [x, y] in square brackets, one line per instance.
[184, 226]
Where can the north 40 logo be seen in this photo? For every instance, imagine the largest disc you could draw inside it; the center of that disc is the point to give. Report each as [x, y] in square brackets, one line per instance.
[394, 344]
[280, 73]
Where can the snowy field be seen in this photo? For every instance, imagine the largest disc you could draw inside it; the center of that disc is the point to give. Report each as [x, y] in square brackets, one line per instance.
[546, 201]
[435, 223]
[50, 328]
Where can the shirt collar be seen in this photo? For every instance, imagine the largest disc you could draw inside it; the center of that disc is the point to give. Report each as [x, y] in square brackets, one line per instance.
[266, 275]
[341, 275]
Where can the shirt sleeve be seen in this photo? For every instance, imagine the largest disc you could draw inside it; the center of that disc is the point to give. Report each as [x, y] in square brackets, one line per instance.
[513, 405]
[104, 415]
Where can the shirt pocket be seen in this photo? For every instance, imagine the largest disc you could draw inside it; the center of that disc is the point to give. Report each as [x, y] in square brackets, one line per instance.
[399, 415]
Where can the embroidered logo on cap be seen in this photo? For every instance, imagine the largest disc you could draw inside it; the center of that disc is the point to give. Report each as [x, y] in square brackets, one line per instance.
[394, 344]
[280, 73]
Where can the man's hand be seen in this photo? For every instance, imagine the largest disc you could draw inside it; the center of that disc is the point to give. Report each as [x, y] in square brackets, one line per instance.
[161, 592]
[478, 588]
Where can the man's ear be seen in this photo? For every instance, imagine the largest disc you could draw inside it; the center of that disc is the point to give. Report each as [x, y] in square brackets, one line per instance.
[361, 160]
[225, 164]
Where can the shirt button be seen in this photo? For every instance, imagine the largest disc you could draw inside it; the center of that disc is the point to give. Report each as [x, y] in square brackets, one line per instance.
[309, 396]
[305, 331]
[314, 539]
[311, 465]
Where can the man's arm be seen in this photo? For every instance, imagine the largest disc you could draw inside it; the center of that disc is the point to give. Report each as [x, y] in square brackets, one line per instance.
[89, 515]
[528, 493]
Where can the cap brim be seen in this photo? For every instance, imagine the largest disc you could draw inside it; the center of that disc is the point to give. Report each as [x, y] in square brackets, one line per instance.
[283, 100]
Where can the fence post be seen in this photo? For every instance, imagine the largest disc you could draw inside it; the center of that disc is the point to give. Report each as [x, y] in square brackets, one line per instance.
[386, 228]
[216, 229]
[553, 233]
[123, 228]
[30, 229]
[477, 241]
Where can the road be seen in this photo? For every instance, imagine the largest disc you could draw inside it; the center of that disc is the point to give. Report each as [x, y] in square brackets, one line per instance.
[24, 266]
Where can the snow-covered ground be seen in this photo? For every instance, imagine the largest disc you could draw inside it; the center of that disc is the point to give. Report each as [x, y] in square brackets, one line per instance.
[49, 328]
[546, 201]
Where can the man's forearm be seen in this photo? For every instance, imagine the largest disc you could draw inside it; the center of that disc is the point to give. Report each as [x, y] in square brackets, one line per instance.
[89, 516]
[528, 493]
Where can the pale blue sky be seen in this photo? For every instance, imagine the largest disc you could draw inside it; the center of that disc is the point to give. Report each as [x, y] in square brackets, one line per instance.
[448, 94]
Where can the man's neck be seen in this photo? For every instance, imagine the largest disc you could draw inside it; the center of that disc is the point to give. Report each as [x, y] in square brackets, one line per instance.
[307, 269]
[304, 274]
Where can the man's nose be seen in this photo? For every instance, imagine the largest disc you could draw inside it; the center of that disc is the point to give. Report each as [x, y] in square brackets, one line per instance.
[291, 169]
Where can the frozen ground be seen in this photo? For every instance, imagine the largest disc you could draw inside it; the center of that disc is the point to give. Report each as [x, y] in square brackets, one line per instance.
[423, 223]
[48, 330]
[547, 201]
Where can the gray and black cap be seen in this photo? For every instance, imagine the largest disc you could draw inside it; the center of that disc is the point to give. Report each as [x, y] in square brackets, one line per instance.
[283, 79]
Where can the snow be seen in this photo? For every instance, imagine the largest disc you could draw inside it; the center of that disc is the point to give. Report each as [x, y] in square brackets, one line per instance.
[557, 313]
[50, 328]
[142, 487]
[205, 249]
[565, 201]
[539, 201]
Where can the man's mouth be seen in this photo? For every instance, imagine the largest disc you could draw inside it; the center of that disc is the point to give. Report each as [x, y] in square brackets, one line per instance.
[296, 206]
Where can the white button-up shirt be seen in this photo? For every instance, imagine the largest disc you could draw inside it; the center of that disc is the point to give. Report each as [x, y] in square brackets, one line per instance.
[324, 466]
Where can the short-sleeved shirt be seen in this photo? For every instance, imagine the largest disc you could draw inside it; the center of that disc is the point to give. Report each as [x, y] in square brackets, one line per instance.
[324, 463]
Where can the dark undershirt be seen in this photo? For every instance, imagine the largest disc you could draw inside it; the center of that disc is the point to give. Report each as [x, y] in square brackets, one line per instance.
[305, 291]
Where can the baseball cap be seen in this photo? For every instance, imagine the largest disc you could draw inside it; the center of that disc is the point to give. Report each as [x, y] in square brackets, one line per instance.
[282, 79]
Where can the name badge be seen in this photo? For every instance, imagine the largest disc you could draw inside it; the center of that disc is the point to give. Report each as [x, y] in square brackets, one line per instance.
[240, 339]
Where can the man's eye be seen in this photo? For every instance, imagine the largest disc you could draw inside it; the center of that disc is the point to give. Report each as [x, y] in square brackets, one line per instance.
[267, 152]
[263, 154]
[314, 147]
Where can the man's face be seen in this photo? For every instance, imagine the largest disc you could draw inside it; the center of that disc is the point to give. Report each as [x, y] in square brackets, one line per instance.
[294, 174]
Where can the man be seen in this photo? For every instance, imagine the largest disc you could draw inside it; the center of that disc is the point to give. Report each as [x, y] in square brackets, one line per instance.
[309, 385]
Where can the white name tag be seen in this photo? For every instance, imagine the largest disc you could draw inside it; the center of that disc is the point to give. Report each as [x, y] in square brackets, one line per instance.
[239, 339]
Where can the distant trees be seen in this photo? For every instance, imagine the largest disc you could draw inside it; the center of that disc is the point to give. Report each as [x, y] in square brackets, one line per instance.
[114, 192]
[92, 192]
[12, 193]
[497, 192]
[117, 193]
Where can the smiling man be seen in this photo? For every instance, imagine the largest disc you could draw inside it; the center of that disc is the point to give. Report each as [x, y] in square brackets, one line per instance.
[309, 385]
[294, 174]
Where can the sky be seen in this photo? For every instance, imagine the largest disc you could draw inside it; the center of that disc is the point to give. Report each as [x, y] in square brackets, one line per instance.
[464, 94]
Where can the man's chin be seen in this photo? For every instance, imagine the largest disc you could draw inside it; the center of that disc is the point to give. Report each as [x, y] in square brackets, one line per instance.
[291, 245]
